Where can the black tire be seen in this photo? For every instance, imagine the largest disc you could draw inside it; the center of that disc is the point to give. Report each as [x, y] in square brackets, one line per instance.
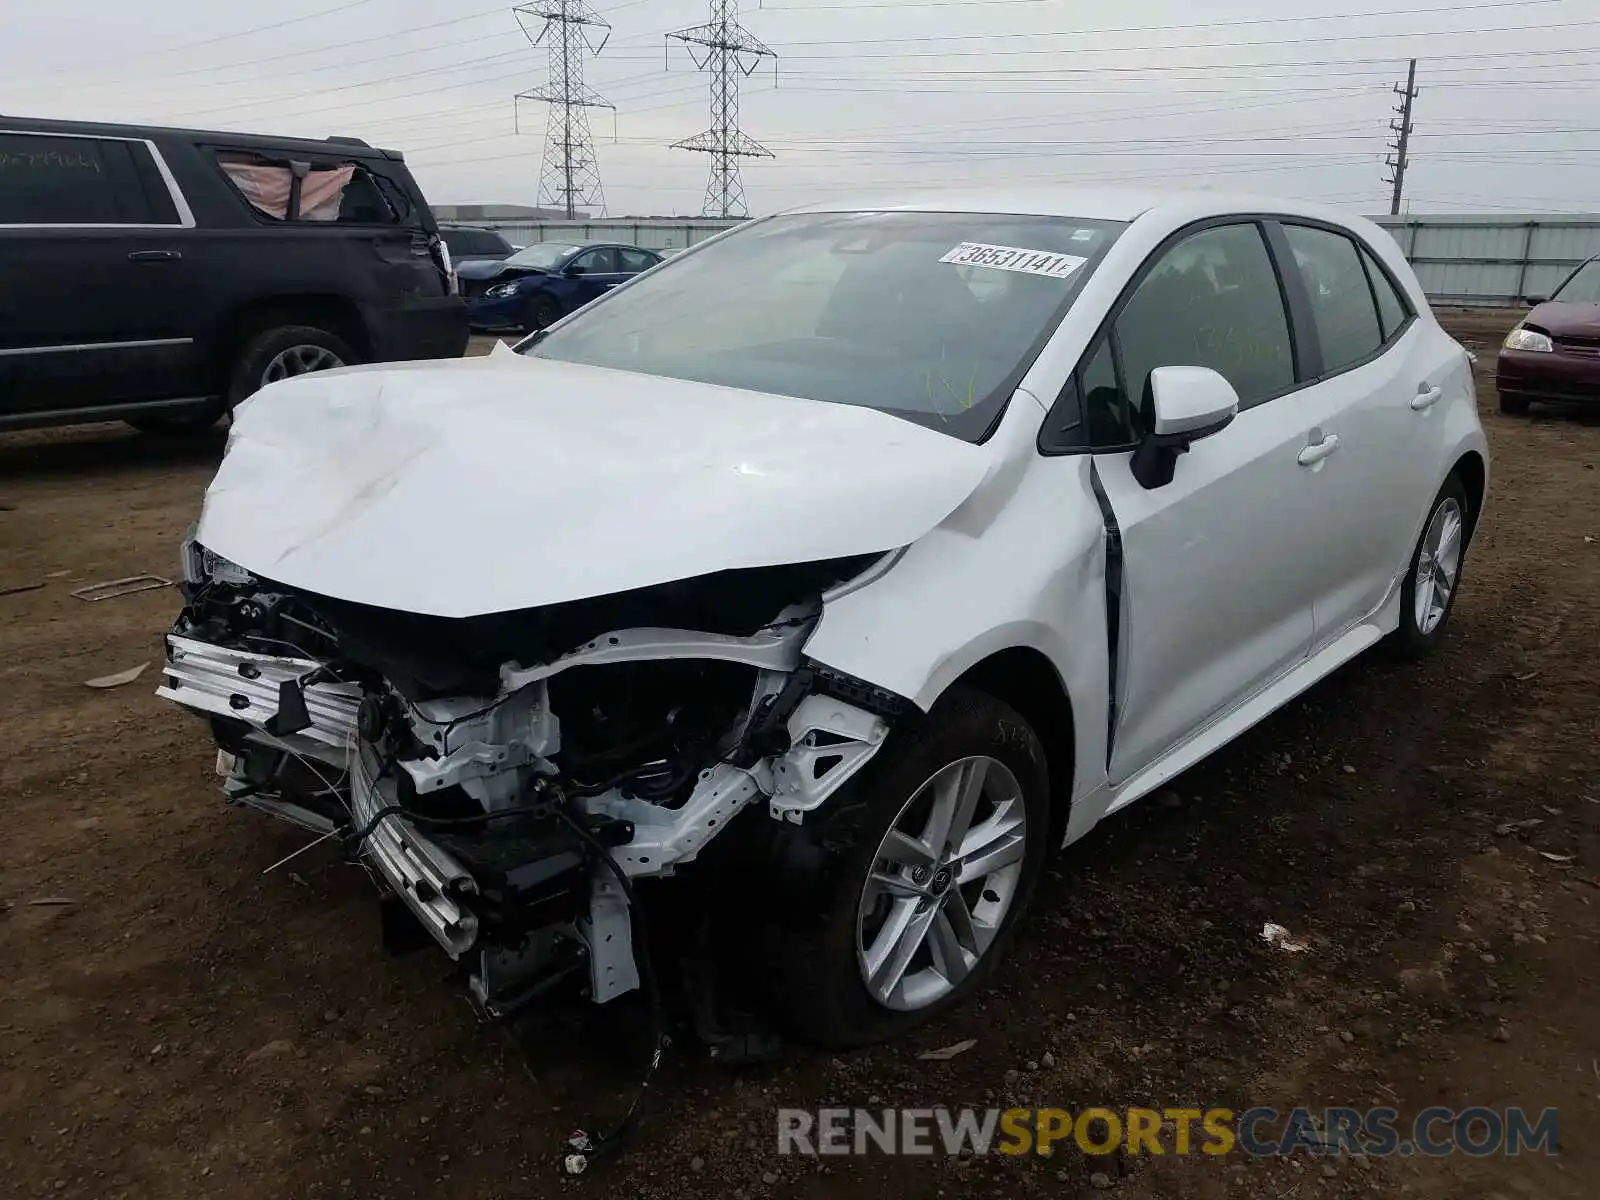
[1409, 641]
[260, 352]
[808, 942]
[540, 310]
[1513, 406]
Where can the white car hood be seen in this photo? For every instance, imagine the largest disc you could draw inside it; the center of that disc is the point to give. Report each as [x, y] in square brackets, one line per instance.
[498, 483]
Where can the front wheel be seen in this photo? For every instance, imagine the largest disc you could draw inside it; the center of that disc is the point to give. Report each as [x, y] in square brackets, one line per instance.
[1513, 406]
[921, 871]
[539, 312]
[1429, 592]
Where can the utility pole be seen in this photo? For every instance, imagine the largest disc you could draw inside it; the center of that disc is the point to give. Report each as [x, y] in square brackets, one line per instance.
[1399, 156]
[570, 175]
[728, 51]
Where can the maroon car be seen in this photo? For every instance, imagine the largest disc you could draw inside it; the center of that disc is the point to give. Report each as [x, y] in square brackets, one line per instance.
[1553, 355]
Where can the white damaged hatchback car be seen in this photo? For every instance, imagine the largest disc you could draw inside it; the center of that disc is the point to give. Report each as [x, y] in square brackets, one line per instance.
[794, 600]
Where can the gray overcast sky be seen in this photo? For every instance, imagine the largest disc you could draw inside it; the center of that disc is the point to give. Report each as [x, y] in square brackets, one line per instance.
[878, 94]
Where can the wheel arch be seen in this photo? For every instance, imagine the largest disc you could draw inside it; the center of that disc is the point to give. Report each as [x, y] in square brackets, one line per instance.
[337, 314]
[1473, 472]
[1024, 678]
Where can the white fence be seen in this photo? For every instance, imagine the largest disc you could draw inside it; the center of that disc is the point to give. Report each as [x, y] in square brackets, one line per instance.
[1470, 260]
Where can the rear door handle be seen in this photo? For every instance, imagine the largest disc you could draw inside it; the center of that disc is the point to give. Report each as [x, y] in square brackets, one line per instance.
[1312, 455]
[141, 256]
[1426, 398]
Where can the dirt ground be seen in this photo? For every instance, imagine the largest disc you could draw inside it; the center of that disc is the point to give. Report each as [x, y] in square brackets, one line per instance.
[181, 1025]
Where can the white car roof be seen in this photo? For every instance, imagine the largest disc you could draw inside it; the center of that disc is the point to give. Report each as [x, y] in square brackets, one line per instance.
[1102, 204]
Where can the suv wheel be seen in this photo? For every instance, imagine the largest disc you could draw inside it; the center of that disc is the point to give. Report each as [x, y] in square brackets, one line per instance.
[921, 871]
[283, 353]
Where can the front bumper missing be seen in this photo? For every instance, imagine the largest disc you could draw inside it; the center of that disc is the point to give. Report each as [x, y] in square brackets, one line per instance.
[242, 686]
[516, 934]
[418, 871]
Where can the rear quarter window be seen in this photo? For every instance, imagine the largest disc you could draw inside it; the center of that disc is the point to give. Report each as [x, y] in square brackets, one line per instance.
[313, 193]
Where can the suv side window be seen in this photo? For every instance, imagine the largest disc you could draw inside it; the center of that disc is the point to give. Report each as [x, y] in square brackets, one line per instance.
[1392, 307]
[595, 262]
[1342, 305]
[343, 193]
[1212, 300]
[66, 180]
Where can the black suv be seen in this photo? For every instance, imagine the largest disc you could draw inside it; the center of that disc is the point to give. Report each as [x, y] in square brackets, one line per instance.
[160, 276]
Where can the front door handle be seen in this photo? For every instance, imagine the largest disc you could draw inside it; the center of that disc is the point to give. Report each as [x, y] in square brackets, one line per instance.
[1426, 398]
[141, 256]
[1312, 455]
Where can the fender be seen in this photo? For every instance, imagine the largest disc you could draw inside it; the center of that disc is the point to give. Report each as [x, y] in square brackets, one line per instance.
[909, 633]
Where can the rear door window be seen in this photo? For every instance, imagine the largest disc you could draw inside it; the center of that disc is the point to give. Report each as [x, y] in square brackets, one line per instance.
[66, 180]
[1342, 305]
[595, 262]
[634, 261]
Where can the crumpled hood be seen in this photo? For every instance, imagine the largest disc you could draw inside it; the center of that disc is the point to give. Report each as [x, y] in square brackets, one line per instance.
[491, 268]
[504, 482]
[1560, 318]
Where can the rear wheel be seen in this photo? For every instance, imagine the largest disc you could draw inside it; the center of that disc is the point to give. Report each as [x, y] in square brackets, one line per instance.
[923, 868]
[284, 353]
[1429, 592]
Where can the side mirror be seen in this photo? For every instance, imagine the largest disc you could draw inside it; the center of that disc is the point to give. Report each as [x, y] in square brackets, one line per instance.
[1188, 403]
[1534, 301]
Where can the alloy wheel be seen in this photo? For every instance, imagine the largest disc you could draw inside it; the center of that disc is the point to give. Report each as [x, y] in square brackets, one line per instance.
[1438, 565]
[299, 360]
[941, 883]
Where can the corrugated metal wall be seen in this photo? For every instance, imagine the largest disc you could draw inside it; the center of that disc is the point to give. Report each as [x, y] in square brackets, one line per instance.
[661, 234]
[1470, 260]
[1494, 260]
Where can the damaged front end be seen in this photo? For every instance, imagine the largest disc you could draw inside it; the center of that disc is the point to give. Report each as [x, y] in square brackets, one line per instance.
[505, 777]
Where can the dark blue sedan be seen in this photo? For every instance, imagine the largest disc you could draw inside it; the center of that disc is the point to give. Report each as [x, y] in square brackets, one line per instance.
[543, 283]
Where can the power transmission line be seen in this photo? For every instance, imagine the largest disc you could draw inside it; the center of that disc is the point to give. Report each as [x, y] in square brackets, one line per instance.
[571, 172]
[728, 51]
[1401, 128]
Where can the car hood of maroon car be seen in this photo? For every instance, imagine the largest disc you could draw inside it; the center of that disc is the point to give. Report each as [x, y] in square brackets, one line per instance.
[1560, 318]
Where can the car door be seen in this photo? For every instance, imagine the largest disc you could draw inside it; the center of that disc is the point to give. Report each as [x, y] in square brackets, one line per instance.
[593, 273]
[1376, 383]
[1217, 567]
[91, 274]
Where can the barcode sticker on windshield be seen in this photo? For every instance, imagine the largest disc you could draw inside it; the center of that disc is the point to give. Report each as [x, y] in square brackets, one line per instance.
[1014, 258]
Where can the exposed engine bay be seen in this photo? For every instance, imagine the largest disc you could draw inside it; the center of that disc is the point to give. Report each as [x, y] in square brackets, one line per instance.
[505, 778]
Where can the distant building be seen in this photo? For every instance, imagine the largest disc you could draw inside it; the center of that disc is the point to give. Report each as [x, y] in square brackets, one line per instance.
[501, 212]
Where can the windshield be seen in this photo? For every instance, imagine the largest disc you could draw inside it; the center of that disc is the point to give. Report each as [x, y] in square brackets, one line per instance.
[1583, 287]
[933, 317]
[545, 254]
